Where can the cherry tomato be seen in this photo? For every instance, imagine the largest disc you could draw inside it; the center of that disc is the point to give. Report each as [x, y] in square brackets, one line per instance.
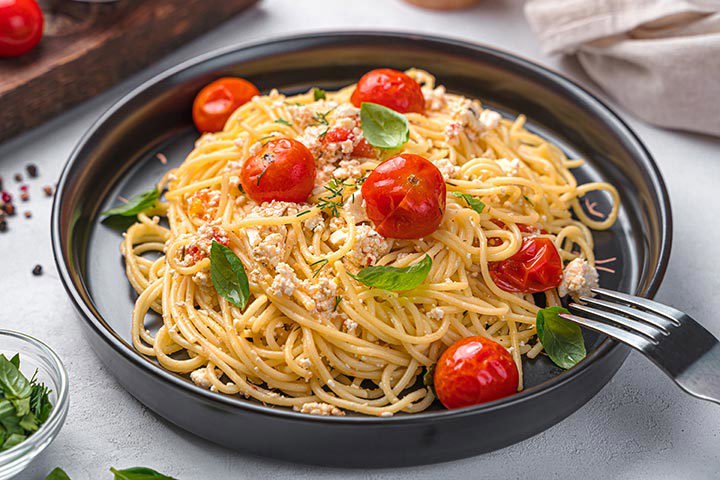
[282, 170]
[391, 89]
[218, 100]
[405, 197]
[362, 150]
[536, 267]
[21, 26]
[474, 370]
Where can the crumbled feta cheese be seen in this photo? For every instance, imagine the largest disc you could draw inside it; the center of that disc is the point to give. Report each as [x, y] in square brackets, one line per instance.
[578, 279]
[319, 408]
[350, 325]
[338, 237]
[315, 223]
[323, 292]
[435, 98]
[348, 169]
[304, 362]
[201, 377]
[470, 118]
[271, 250]
[285, 282]
[202, 279]
[436, 313]
[490, 119]
[355, 207]
[447, 169]
[369, 246]
[509, 167]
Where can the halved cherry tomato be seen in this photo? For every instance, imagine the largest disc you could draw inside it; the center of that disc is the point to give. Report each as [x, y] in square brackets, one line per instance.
[283, 170]
[536, 267]
[389, 88]
[362, 150]
[21, 27]
[218, 100]
[405, 197]
[474, 370]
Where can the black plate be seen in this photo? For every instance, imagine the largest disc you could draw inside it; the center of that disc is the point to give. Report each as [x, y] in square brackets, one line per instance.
[117, 156]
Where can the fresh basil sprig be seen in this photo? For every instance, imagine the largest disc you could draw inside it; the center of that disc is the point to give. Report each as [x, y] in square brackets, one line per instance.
[228, 275]
[472, 202]
[393, 278]
[139, 473]
[562, 339]
[383, 127]
[137, 204]
[57, 474]
[319, 94]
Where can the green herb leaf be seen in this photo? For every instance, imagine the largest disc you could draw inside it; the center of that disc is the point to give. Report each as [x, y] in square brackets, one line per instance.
[13, 383]
[12, 440]
[139, 473]
[393, 278]
[429, 378]
[562, 339]
[282, 121]
[228, 275]
[137, 204]
[57, 474]
[16, 360]
[382, 127]
[472, 202]
[318, 94]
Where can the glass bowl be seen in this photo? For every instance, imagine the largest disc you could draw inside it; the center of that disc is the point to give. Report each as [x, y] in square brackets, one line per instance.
[35, 355]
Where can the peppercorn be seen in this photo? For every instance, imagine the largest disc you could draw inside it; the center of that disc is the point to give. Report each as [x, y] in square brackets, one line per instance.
[28, 214]
[24, 196]
[10, 209]
[6, 197]
[37, 270]
[3, 226]
[32, 170]
[48, 189]
[1, 183]
[18, 177]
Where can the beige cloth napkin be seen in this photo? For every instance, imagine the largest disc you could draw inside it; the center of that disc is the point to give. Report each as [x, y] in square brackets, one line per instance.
[658, 58]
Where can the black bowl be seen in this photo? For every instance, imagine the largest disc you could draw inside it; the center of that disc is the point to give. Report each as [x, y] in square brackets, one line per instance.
[117, 156]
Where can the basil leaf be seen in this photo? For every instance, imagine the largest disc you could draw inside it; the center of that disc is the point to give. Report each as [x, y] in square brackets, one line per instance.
[318, 94]
[392, 278]
[282, 121]
[16, 360]
[139, 473]
[13, 383]
[562, 339]
[382, 127]
[12, 440]
[228, 275]
[472, 202]
[57, 474]
[137, 204]
[429, 378]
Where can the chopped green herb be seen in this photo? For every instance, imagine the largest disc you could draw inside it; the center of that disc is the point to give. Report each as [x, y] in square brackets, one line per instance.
[393, 278]
[228, 275]
[528, 200]
[472, 202]
[337, 302]
[429, 378]
[319, 94]
[303, 213]
[334, 201]
[562, 339]
[139, 473]
[57, 474]
[383, 127]
[321, 263]
[282, 121]
[24, 404]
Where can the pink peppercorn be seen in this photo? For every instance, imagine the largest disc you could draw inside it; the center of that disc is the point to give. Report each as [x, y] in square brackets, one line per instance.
[6, 197]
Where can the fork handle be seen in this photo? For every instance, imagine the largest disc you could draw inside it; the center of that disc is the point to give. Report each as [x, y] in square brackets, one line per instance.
[702, 378]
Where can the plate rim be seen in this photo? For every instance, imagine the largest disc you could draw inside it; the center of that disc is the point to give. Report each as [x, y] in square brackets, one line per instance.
[276, 45]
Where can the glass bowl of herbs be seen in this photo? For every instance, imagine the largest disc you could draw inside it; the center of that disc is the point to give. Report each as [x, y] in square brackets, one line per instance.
[33, 400]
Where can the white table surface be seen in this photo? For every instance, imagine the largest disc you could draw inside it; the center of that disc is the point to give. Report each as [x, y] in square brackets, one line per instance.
[640, 426]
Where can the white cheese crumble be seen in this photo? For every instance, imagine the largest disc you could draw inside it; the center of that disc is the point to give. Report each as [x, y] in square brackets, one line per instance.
[436, 313]
[578, 279]
[323, 293]
[350, 325]
[369, 246]
[285, 282]
[201, 377]
[435, 98]
[271, 250]
[319, 408]
[355, 207]
[470, 118]
[509, 167]
[447, 169]
[304, 362]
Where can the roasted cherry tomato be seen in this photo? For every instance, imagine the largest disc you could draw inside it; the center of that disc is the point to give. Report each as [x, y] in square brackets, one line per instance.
[282, 170]
[405, 197]
[218, 100]
[536, 267]
[362, 150]
[21, 26]
[391, 89]
[474, 370]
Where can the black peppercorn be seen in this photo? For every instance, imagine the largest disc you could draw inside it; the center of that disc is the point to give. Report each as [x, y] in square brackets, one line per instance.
[32, 170]
[37, 270]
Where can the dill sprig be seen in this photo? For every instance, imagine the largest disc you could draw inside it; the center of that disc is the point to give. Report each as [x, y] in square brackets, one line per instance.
[321, 263]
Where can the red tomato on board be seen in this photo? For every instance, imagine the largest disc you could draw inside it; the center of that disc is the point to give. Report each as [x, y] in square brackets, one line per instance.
[282, 170]
[474, 370]
[536, 267]
[362, 150]
[21, 27]
[218, 100]
[389, 88]
[405, 197]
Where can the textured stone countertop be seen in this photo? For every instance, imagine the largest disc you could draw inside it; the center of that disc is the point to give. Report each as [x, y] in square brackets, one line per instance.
[640, 426]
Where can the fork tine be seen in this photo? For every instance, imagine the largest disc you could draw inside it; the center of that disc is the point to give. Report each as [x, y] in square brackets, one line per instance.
[638, 327]
[636, 341]
[672, 314]
[659, 321]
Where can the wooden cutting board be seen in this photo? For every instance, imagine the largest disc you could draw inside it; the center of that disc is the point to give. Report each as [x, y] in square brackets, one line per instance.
[87, 47]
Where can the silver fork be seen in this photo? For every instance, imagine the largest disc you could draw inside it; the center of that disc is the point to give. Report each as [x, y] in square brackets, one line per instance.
[676, 343]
